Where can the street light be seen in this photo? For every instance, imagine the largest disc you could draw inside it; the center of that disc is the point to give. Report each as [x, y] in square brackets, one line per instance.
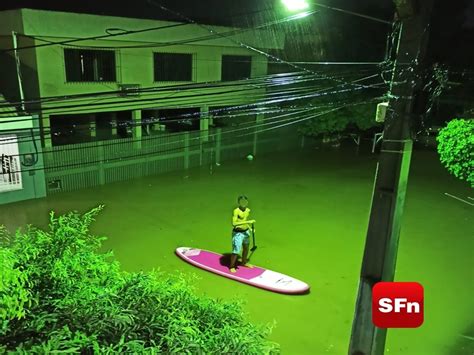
[300, 5]
[295, 5]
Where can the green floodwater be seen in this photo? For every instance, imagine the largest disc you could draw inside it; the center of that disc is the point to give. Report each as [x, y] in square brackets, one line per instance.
[312, 211]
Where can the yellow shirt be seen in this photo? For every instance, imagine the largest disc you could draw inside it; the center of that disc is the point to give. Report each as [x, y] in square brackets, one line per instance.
[240, 216]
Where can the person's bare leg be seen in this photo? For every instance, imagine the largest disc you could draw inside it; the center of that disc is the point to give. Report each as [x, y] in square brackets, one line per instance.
[233, 261]
[245, 254]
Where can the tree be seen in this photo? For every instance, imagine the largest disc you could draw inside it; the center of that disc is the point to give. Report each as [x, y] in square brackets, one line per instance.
[456, 148]
[330, 125]
[59, 294]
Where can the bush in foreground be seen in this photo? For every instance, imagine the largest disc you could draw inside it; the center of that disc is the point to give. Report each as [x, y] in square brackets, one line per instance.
[456, 148]
[58, 293]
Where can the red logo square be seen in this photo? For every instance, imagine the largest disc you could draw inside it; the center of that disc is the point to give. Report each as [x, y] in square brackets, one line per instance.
[397, 305]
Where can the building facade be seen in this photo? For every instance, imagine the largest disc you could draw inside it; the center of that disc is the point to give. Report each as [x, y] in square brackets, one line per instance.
[90, 77]
[129, 97]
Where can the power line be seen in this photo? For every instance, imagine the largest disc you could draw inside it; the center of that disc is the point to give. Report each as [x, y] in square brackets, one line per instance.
[157, 44]
[188, 117]
[353, 13]
[249, 85]
[241, 44]
[91, 38]
[315, 94]
[280, 100]
[153, 89]
[213, 33]
[200, 59]
[184, 41]
[275, 101]
[227, 132]
[154, 101]
[213, 101]
[198, 138]
[332, 63]
[282, 79]
[167, 136]
[196, 116]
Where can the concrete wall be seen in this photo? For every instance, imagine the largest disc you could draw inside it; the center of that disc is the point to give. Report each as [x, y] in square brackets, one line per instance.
[33, 178]
[9, 21]
[9, 87]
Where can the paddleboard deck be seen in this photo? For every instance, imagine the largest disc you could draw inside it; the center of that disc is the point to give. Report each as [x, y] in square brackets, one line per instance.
[256, 276]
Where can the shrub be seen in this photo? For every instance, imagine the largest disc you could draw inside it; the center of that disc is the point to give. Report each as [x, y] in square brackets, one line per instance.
[456, 148]
[361, 116]
[58, 293]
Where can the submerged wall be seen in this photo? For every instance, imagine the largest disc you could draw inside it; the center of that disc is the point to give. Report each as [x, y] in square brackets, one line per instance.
[21, 160]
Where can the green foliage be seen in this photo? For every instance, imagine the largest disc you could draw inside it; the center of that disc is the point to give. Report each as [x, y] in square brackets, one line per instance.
[59, 294]
[327, 124]
[333, 123]
[13, 292]
[456, 148]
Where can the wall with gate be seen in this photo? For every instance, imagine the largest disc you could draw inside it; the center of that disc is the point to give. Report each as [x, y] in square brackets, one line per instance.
[78, 166]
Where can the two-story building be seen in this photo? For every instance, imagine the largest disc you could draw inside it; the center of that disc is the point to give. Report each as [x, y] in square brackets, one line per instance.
[92, 77]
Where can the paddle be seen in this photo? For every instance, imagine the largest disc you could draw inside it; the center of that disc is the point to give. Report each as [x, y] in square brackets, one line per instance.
[254, 247]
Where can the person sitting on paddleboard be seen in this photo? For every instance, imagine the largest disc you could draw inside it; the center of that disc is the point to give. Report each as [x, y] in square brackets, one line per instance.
[240, 233]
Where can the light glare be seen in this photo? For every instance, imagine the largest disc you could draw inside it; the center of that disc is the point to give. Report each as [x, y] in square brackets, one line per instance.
[301, 15]
[295, 5]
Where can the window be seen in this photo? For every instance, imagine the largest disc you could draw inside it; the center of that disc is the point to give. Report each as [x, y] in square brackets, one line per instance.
[173, 67]
[89, 65]
[236, 67]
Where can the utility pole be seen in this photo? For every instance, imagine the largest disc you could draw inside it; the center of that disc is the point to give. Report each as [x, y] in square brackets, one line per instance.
[388, 197]
[18, 70]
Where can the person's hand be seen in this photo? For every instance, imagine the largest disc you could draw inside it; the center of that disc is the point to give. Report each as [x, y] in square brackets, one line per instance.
[252, 221]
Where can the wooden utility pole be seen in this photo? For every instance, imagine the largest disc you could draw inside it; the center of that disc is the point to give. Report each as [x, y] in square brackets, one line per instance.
[392, 174]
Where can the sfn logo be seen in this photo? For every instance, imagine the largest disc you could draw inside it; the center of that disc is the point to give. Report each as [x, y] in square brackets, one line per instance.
[397, 304]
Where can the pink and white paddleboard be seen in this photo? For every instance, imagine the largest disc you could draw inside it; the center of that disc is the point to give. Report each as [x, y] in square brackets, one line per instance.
[256, 276]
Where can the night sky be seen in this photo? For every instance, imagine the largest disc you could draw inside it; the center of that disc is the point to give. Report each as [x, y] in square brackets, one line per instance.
[452, 32]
